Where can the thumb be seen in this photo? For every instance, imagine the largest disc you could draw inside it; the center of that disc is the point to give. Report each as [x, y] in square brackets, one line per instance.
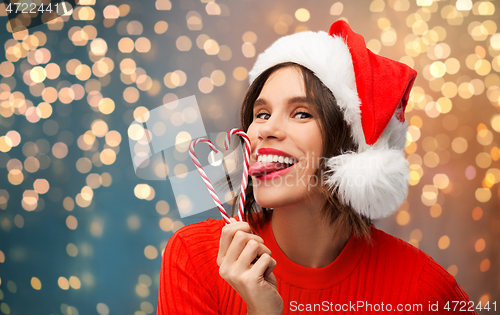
[271, 278]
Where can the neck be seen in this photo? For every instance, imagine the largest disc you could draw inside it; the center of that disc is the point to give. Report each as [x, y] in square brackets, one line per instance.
[305, 236]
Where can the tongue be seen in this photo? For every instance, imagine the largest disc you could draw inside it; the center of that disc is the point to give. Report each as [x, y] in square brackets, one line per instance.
[261, 169]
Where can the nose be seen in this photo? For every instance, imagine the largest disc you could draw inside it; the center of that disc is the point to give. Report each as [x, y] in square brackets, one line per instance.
[273, 128]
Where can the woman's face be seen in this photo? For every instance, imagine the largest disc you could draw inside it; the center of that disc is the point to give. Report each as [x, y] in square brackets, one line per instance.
[286, 142]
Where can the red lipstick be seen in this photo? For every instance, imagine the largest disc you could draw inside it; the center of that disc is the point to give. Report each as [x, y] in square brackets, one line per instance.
[272, 151]
[269, 170]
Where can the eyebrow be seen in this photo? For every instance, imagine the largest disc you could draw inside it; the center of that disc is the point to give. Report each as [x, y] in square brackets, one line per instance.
[292, 100]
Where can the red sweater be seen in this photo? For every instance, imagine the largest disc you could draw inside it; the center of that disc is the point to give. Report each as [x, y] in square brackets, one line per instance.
[365, 278]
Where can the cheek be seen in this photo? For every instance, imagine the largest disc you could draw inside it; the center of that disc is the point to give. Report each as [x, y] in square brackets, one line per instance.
[314, 140]
[318, 137]
[252, 133]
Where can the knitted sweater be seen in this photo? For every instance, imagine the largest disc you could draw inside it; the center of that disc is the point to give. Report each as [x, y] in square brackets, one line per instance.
[386, 275]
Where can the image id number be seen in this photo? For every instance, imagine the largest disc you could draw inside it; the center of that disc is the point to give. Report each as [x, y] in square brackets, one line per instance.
[24, 8]
[463, 306]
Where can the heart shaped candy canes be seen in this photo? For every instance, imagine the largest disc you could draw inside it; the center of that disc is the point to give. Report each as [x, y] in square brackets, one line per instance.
[204, 175]
[244, 181]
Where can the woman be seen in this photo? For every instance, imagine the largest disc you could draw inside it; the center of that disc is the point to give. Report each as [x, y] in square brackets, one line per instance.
[325, 117]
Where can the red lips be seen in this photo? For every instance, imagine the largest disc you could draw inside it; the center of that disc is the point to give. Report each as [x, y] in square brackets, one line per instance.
[263, 151]
[262, 169]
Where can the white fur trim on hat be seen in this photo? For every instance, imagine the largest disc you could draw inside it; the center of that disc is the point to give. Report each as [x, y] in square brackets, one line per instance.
[374, 180]
[329, 59]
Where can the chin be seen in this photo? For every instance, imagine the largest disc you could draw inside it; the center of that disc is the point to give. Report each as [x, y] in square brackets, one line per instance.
[273, 197]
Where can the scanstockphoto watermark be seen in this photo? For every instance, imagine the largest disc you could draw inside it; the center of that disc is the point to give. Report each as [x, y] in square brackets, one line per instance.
[356, 306]
[159, 140]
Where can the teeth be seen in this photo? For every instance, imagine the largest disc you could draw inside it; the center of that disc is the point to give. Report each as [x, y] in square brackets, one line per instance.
[275, 158]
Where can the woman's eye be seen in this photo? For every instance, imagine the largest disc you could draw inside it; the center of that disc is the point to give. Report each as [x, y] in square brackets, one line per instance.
[302, 115]
[262, 115]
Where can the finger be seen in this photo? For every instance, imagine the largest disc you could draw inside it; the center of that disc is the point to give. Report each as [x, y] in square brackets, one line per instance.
[228, 232]
[239, 242]
[270, 268]
[227, 236]
[264, 266]
[233, 220]
[271, 278]
[251, 252]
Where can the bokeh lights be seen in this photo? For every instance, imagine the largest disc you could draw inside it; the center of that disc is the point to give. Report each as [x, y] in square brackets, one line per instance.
[80, 233]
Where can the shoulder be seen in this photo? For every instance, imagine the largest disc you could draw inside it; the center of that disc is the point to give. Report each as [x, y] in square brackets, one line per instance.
[398, 250]
[434, 273]
[198, 236]
[426, 267]
[193, 249]
[396, 261]
[431, 282]
[189, 278]
[408, 255]
[207, 228]
[438, 285]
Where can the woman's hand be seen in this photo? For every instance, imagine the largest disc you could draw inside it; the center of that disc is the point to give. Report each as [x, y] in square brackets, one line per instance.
[246, 264]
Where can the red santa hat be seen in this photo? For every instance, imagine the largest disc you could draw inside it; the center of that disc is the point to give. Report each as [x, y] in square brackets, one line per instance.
[372, 91]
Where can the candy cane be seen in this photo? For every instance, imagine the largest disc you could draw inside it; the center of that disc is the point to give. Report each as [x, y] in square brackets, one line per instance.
[244, 180]
[205, 178]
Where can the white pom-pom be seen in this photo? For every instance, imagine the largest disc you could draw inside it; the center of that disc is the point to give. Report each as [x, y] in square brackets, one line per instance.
[374, 182]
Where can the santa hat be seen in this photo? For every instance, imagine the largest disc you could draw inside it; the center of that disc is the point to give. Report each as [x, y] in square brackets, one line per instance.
[372, 92]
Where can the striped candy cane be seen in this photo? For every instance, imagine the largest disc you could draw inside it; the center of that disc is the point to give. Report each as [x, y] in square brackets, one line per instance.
[205, 178]
[244, 180]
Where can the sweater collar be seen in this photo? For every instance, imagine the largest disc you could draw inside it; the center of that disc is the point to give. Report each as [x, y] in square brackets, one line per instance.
[314, 278]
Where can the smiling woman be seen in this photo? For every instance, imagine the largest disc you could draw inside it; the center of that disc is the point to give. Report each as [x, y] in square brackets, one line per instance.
[325, 117]
[316, 110]
[283, 126]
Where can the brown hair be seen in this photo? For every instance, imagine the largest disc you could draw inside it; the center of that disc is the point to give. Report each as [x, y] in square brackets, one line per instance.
[337, 140]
